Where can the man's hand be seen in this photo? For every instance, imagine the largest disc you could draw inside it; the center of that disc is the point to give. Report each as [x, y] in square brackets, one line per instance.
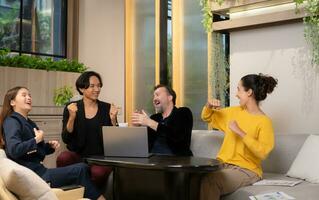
[140, 118]
[233, 126]
[213, 103]
[38, 135]
[72, 108]
[54, 144]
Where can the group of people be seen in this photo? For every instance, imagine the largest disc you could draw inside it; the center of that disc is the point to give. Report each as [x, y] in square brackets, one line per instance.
[248, 134]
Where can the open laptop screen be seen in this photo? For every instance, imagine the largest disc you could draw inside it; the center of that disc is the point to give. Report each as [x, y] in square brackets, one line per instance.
[125, 141]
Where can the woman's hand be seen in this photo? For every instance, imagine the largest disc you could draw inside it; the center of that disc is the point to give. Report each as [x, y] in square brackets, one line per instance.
[72, 108]
[38, 135]
[213, 103]
[54, 144]
[233, 126]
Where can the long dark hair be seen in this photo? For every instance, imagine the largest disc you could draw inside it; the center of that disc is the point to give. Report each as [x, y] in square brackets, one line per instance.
[7, 109]
[260, 84]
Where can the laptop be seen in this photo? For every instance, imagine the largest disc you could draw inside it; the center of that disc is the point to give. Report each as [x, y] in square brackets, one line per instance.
[125, 141]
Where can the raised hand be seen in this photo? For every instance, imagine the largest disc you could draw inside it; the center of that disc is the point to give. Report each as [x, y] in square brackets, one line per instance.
[72, 108]
[213, 103]
[140, 118]
[38, 135]
[113, 111]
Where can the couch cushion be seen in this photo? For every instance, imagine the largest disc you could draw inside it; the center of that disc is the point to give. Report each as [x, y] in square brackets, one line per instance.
[305, 166]
[2, 154]
[73, 194]
[23, 182]
[285, 151]
[304, 190]
[5, 194]
[206, 143]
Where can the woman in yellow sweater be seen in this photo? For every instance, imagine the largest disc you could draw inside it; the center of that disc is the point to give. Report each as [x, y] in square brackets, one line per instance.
[248, 137]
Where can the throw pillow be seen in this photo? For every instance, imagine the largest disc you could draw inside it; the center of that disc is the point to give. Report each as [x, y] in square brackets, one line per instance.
[4, 193]
[305, 165]
[2, 154]
[23, 182]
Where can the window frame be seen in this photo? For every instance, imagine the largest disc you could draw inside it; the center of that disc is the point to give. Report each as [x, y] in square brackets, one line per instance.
[64, 17]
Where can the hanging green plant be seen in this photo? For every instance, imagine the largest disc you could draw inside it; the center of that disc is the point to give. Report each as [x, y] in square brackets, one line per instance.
[207, 20]
[62, 95]
[207, 14]
[311, 30]
[219, 77]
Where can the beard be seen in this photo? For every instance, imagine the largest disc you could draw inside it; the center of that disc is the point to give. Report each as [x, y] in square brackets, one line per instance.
[159, 109]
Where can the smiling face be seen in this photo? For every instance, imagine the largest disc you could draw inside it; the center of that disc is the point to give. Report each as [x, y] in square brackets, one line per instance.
[242, 94]
[161, 99]
[22, 103]
[94, 89]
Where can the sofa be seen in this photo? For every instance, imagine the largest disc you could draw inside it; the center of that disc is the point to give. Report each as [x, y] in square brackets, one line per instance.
[206, 143]
[19, 182]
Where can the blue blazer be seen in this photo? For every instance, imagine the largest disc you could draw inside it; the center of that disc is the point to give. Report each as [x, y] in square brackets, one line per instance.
[20, 144]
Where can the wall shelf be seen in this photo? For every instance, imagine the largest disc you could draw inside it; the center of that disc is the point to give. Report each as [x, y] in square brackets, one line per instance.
[258, 20]
[231, 6]
[279, 11]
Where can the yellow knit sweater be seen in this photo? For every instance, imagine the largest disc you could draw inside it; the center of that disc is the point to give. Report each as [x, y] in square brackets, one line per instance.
[246, 152]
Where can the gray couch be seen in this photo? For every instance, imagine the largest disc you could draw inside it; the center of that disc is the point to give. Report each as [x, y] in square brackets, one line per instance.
[206, 144]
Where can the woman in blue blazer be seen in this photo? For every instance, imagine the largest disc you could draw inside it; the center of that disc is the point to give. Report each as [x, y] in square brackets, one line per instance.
[25, 145]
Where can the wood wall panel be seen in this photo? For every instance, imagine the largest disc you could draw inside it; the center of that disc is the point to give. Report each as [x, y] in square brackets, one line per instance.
[41, 84]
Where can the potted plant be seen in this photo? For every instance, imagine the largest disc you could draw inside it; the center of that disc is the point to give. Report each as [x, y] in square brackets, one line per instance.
[62, 95]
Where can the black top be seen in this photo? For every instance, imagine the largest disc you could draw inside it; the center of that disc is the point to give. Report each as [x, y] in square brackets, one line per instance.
[20, 144]
[86, 138]
[176, 130]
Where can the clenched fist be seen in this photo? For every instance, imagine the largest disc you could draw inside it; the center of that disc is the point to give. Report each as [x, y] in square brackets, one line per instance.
[72, 108]
[213, 103]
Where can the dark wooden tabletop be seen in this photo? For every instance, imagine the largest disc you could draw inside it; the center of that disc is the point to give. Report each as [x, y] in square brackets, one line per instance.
[156, 162]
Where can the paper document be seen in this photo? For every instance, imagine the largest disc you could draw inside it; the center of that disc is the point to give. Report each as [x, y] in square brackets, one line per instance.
[278, 182]
[272, 196]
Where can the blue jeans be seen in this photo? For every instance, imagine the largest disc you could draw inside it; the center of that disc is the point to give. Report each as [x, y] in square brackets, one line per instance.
[72, 174]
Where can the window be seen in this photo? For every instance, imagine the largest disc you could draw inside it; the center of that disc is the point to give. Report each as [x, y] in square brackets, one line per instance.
[36, 27]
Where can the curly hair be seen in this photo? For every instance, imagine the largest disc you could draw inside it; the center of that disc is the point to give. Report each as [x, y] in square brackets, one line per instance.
[260, 84]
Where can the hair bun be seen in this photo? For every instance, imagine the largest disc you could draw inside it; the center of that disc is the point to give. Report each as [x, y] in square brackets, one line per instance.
[268, 83]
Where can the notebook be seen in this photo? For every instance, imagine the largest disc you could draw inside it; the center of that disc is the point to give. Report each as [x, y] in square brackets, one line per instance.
[125, 141]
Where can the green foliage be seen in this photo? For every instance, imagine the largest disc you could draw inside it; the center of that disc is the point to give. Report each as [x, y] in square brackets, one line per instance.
[7, 25]
[219, 77]
[311, 30]
[207, 20]
[62, 95]
[33, 62]
[207, 14]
